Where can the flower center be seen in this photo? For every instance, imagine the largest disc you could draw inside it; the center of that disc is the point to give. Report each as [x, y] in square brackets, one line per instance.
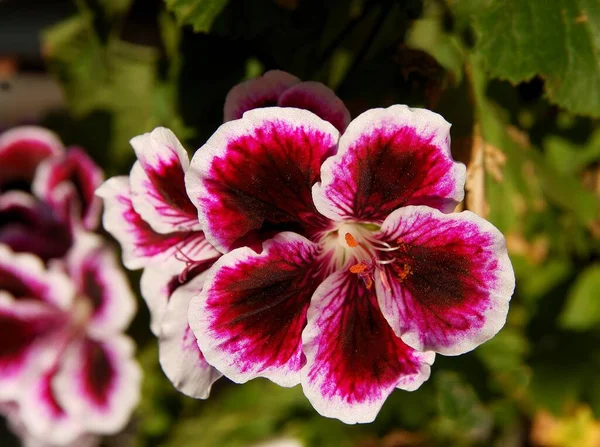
[372, 255]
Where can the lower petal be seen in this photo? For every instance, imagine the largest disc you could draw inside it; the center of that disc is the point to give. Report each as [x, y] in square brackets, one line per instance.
[100, 382]
[451, 281]
[354, 359]
[41, 414]
[30, 331]
[180, 358]
[249, 317]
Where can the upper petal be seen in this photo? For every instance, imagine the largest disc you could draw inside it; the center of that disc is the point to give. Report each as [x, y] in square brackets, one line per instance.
[157, 182]
[24, 276]
[99, 277]
[180, 357]
[250, 314]
[353, 358]
[449, 286]
[389, 158]
[253, 177]
[319, 99]
[68, 184]
[29, 225]
[263, 91]
[21, 151]
[100, 382]
[140, 243]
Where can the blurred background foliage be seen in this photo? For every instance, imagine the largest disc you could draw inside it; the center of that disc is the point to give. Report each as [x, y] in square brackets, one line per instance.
[519, 80]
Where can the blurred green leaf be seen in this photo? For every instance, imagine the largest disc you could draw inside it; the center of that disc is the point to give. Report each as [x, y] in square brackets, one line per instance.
[582, 309]
[198, 13]
[556, 39]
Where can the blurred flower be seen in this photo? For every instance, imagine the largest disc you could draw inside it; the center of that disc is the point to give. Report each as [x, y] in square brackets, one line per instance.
[278, 88]
[151, 216]
[360, 276]
[64, 362]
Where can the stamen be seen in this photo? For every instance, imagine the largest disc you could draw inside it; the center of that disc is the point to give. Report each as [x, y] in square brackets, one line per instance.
[350, 240]
[359, 268]
[402, 274]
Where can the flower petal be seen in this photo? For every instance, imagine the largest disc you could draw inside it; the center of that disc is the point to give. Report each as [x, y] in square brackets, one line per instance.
[250, 314]
[157, 182]
[68, 183]
[93, 267]
[23, 276]
[319, 99]
[354, 359]
[28, 225]
[28, 332]
[180, 357]
[253, 177]
[140, 243]
[389, 158]
[21, 151]
[449, 287]
[256, 93]
[159, 282]
[41, 414]
[100, 382]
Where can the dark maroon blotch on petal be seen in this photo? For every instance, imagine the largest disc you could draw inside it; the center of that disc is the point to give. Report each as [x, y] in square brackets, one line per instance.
[99, 373]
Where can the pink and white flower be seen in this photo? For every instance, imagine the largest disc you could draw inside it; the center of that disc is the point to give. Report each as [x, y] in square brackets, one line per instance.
[281, 89]
[151, 216]
[64, 362]
[342, 271]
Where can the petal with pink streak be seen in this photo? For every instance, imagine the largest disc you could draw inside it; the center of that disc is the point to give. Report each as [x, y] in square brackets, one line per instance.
[180, 357]
[159, 282]
[249, 317]
[29, 225]
[319, 99]
[157, 182]
[22, 149]
[100, 382]
[253, 177]
[451, 281]
[29, 333]
[41, 414]
[23, 276]
[354, 359]
[140, 243]
[389, 158]
[68, 184]
[99, 278]
[263, 91]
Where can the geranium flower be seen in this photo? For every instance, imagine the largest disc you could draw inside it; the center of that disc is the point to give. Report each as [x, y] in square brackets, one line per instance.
[278, 88]
[64, 363]
[151, 216]
[361, 276]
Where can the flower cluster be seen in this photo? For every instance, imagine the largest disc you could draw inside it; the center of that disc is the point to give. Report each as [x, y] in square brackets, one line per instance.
[67, 373]
[304, 248]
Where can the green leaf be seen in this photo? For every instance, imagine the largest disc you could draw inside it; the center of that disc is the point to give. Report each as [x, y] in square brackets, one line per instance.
[556, 39]
[198, 13]
[582, 310]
